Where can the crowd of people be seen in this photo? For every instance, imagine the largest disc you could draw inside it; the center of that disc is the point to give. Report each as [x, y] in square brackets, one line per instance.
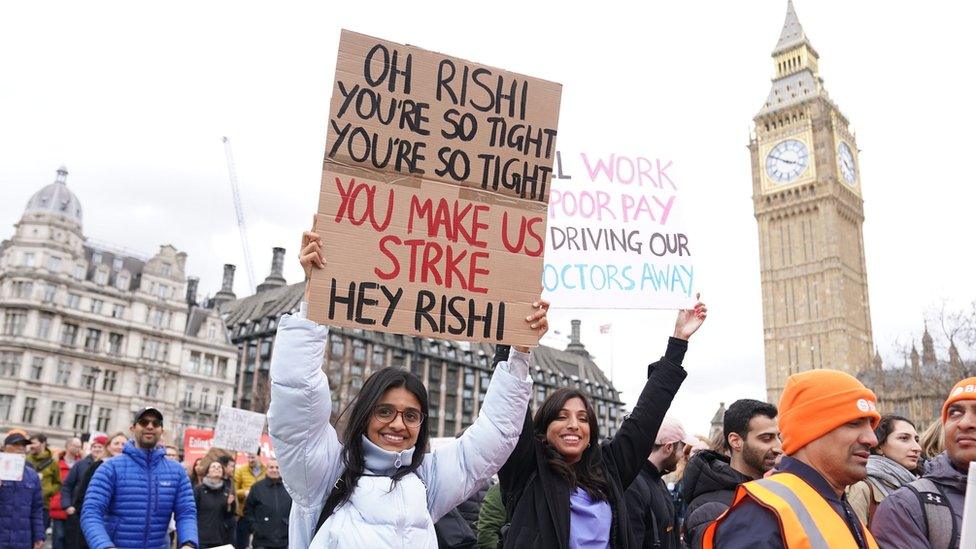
[823, 469]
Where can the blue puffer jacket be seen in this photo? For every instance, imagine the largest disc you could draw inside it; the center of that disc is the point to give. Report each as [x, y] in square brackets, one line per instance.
[21, 511]
[131, 498]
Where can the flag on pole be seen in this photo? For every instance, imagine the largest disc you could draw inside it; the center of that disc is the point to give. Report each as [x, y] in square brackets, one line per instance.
[605, 328]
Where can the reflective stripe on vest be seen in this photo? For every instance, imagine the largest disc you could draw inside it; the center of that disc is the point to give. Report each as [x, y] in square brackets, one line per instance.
[807, 521]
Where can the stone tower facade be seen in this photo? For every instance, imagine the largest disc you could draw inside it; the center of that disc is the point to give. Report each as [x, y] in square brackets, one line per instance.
[807, 199]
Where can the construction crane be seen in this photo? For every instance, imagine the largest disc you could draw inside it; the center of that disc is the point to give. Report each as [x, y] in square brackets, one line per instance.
[240, 213]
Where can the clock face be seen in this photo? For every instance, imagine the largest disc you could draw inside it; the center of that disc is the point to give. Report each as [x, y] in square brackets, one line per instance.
[848, 168]
[787, 161]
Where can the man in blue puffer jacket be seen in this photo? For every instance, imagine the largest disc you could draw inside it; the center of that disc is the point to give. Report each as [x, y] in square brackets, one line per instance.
[132, 496]
[21, 504]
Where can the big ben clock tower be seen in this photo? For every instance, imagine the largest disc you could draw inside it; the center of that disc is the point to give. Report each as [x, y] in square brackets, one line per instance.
[806, 189]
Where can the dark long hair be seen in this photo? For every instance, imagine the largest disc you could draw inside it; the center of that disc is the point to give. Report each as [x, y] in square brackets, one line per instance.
[587, 473]
[885, 428]
[360, 413]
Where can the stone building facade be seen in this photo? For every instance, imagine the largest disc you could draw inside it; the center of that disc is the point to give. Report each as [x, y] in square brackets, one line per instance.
[90, 333]
[808, 206]
[456, 373]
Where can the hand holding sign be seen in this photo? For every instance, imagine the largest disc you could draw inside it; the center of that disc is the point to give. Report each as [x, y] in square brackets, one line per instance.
[689, 320]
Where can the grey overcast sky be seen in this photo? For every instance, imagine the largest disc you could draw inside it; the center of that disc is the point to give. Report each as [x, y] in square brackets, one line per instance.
[134, 97]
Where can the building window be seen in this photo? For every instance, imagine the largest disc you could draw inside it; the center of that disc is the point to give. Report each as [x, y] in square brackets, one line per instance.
[338, 348]
[88, 377]
[101, 276]
[108, 381]
[208, 365]
[81, 418]
[358, 351]
[378, 359]
[96, 258]
[162, 291]
[194, 365]
[37, 368]
[266, 348]
[74, 301]
[435, 372]
[14, 321]
[22, 289]
[6, 402]
[96, 306]
[118, 311]
[451, 383]
[104, 419]
[167, 270]
[50, 291]
[188, 395]
[10, 363]
[29, 259]
[44, 322]
[64, 374]
[152, 386]
[399, 359]
[30, 406]
[54, 263]
[79, 272]
[122, 281]
[222, 368]
[155, 350]
[117, 264]
[115, 343]
[92, 338]
[204, 398]
[219, 400]
[57, 414]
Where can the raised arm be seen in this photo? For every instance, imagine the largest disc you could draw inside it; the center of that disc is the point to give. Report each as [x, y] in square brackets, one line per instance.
[458, 469]
[632, 444]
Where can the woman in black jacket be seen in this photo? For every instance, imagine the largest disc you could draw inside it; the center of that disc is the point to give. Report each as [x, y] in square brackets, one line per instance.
[561, 486]
[73, 537]
[216, 502]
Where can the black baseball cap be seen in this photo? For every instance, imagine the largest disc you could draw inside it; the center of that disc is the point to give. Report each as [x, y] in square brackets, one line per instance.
[16, 438]
[146, 411]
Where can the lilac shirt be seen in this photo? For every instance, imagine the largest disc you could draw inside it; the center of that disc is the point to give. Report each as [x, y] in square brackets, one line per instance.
[589, 521]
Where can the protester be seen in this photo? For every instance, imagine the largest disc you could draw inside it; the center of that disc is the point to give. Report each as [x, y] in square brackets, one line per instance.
[46, 465]
[827, 420]
[199, 471]
[889, 467]
[928, 511]
[711, 478]
[266, 508]
[562, 486]
[653, 520]
[77, 472]
[21, 502]
[931, 440]
[172, 453]
[244, 479]
[491, 518]
[131, 497]
[73, 536]
[379, 486]
[215, 502]
[67, 458]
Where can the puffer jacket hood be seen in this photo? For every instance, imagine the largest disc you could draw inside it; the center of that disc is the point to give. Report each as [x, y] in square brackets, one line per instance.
[707, 472]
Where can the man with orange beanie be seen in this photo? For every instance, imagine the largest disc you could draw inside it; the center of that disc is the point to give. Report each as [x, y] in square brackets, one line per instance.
[827, 421]
[928, 512]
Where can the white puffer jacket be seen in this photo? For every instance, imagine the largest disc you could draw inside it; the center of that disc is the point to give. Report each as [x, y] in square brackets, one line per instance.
[308, 452]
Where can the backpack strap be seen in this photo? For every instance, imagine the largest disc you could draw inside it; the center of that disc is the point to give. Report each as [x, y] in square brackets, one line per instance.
[331, 502]
[941, 527]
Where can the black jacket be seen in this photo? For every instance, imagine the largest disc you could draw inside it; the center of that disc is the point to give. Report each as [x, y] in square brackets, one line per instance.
[267, 508]
[653, 522]
[453, 532]
[73, 536]
[215, 518]
[709, 486]
[540, 518]
[471, 507]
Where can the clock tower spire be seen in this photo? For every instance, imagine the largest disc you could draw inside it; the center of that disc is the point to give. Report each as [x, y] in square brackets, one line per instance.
[808, 207]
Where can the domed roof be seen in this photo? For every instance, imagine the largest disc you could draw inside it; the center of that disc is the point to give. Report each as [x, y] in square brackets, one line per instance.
[56, 198]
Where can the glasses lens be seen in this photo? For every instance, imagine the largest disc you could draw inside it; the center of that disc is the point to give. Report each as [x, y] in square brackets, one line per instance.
[412, 418]
[385, 412]
[145, 422]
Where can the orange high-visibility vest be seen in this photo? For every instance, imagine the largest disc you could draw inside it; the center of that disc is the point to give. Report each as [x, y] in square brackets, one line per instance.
[806, 520]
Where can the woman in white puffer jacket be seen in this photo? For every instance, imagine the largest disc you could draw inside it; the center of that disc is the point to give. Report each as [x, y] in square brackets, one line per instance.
[384, 490]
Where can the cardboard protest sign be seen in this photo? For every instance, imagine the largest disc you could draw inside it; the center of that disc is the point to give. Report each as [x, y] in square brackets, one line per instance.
[12, 467]
[435, 182]
[238, 430]
[616, 237]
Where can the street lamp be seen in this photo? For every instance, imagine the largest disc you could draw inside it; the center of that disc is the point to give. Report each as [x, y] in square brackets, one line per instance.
[92, 422]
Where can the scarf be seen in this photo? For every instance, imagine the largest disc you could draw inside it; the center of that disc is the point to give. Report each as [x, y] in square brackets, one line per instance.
[887, 474]
[212, 483]
[384, 462]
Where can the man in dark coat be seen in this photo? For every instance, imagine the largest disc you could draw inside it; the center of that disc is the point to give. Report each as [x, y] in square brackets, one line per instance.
[651, 510]
[751, 436]
[21, 502]
[267, 507]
